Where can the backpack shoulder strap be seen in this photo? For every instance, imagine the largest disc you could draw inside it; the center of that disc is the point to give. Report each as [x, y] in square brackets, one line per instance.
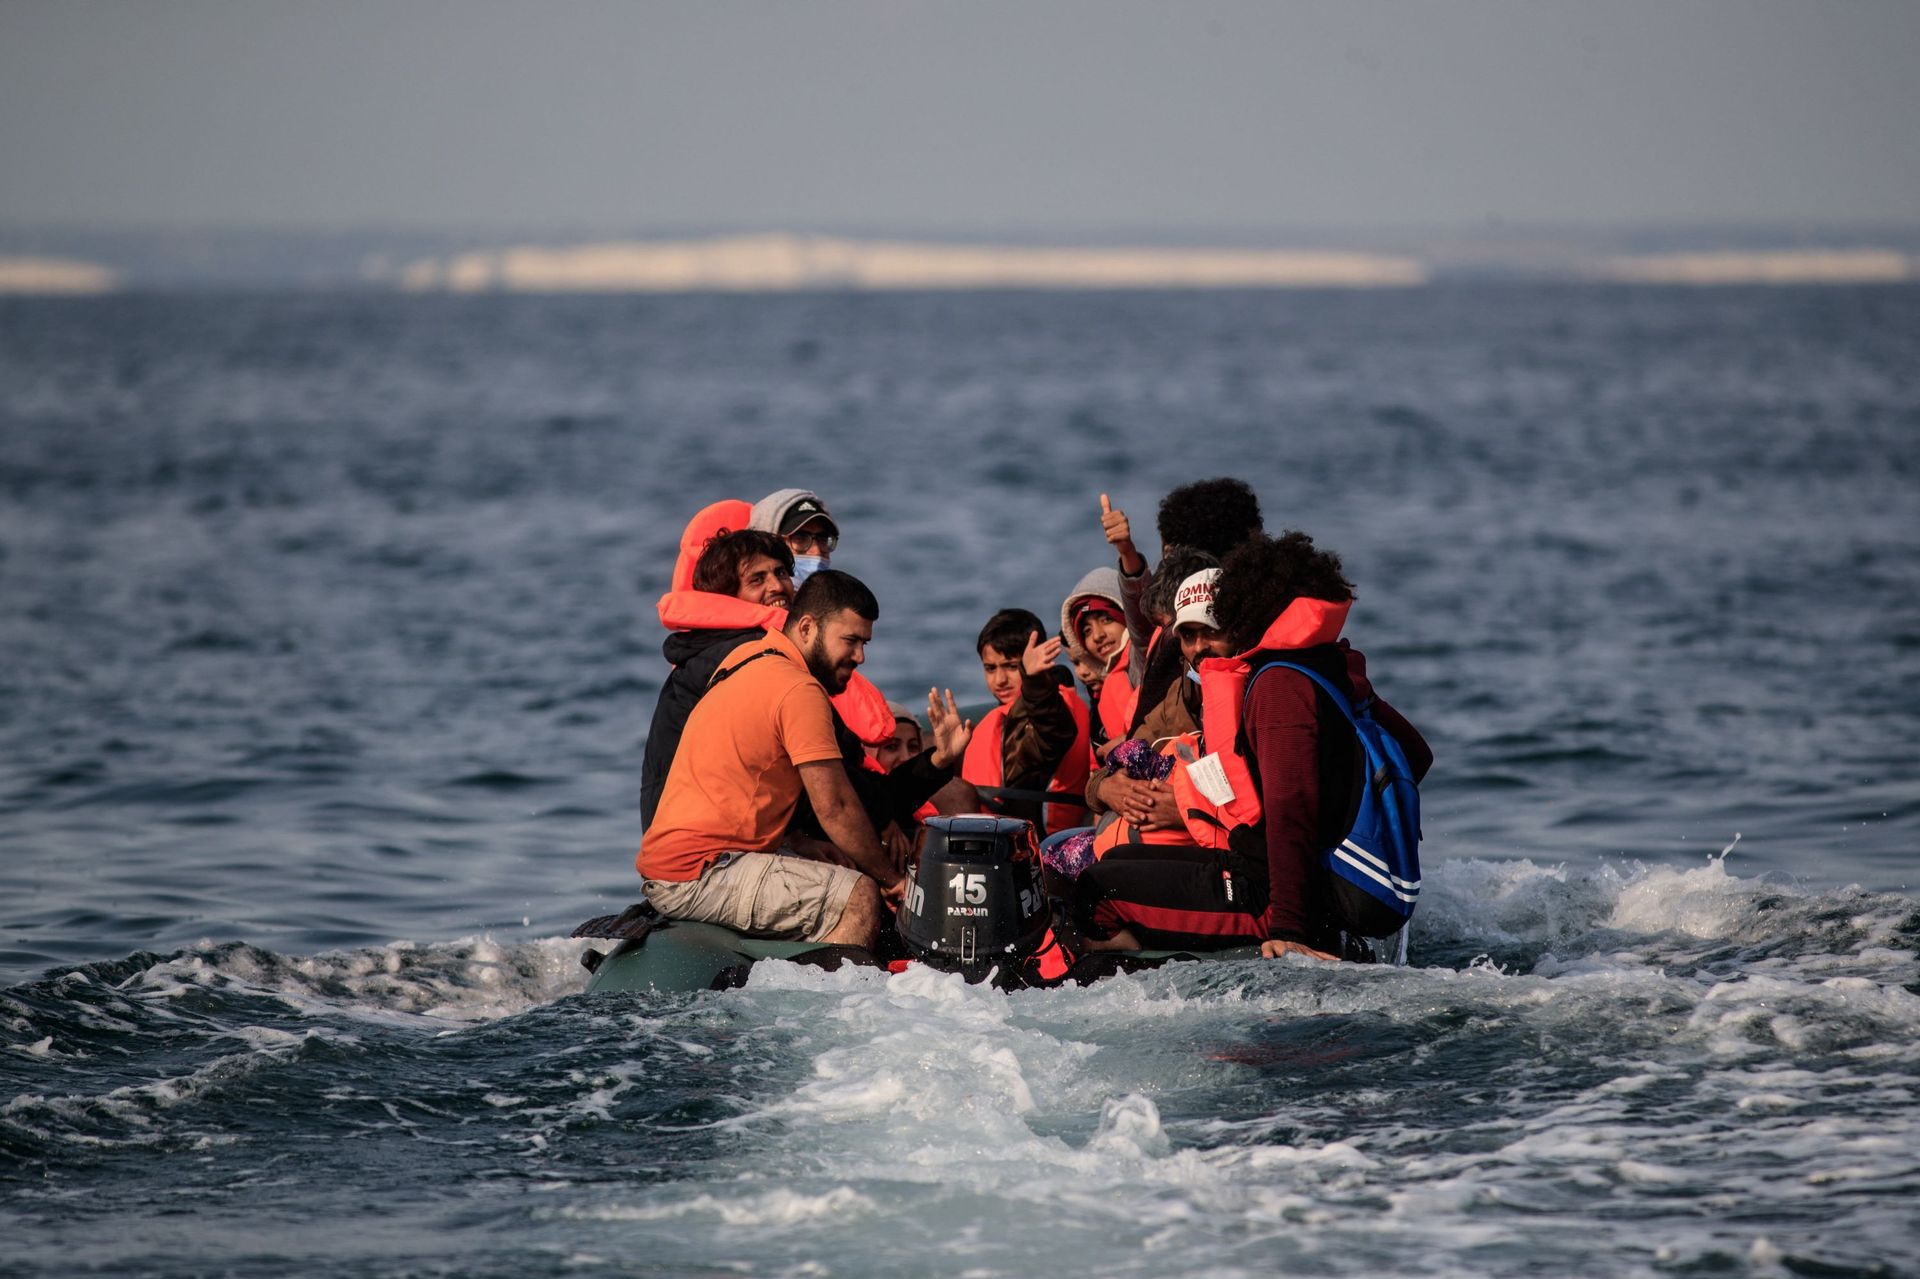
[727, 671]
[1383, 753]
[1326, 686]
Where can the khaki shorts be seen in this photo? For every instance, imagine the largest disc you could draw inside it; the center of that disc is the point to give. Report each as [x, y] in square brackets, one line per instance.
[761, 895]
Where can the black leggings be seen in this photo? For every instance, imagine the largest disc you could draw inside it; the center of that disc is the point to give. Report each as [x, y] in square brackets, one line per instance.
[1172, 897]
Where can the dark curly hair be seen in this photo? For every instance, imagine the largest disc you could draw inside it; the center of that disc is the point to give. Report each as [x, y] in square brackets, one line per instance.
[727, 552]
[1263, 576]
[1211, 515]
[1177, 564]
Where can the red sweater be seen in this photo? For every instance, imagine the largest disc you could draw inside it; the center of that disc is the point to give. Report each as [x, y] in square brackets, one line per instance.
[1283, 730]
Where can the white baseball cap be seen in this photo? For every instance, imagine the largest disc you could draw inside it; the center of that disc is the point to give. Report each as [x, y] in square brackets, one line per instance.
[1193, 602]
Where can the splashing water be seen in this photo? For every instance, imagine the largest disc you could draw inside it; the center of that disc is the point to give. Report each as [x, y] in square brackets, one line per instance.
[1638, 1069]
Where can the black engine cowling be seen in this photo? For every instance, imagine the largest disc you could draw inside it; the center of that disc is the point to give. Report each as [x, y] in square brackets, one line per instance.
[975, 901]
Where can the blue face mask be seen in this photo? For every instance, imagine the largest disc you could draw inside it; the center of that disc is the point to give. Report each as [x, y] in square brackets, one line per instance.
[1193, 675]
[805, 566]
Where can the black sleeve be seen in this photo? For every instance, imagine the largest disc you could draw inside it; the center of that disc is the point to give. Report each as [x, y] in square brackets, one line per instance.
[913, 784]
[1038, 733]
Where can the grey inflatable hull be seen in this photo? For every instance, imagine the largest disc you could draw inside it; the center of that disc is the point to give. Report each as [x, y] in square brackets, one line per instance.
[683, 956]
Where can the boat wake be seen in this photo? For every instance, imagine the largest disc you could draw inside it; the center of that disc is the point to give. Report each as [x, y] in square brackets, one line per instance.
[1621, 1071]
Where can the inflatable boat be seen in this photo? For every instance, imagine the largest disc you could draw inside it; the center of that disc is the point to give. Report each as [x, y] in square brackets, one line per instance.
[975, 903]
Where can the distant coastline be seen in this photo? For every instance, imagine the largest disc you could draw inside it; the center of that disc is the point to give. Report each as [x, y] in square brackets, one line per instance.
[57, 263]
[60, 276]
[779, 263]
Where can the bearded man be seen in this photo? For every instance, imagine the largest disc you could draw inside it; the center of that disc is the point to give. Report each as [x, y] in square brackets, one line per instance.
[719, 848]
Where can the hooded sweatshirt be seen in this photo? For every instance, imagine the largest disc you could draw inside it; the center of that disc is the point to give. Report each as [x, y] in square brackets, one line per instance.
[1115, 706]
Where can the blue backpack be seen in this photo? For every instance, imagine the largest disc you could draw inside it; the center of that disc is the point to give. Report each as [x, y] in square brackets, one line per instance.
[1376, 868]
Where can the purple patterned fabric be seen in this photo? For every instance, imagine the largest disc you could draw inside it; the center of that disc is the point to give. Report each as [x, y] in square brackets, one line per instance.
[1139, 760]
[1071, 855]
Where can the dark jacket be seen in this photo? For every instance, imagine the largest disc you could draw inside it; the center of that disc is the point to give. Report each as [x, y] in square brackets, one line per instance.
[695, 656]
[1035, 738]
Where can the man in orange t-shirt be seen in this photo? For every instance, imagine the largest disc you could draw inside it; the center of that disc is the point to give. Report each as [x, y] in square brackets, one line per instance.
[717, 849]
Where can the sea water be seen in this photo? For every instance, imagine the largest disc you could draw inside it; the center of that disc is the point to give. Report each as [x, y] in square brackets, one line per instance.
[331, 652]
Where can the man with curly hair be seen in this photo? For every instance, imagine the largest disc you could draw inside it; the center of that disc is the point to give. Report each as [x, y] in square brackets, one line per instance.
[1194, 519]
[1210, 515]
[1276, 599]
[1198, 523]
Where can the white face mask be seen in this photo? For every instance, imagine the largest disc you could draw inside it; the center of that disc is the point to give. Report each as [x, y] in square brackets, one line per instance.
[805, 566]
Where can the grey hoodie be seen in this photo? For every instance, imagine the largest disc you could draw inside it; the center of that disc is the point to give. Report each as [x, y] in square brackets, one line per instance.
[1103, 583]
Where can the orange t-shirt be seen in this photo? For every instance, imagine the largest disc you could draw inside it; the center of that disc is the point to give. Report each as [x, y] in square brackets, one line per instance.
[735, 780]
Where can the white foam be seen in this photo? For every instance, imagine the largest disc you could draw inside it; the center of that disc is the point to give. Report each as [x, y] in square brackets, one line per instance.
[1052, 1107]
[1702, 902]
[1653, 1036]
[783, 1209]
[1509, 903]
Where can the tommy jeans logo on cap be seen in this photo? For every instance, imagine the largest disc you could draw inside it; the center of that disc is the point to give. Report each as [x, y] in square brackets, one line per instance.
[1193, 602]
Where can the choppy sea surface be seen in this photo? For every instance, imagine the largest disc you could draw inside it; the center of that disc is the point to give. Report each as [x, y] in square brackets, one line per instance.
[330, 651]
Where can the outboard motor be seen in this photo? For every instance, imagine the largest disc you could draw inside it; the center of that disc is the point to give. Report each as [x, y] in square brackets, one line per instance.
[975, 901]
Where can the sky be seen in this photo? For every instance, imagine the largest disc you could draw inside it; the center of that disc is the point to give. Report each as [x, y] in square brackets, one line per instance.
[1104, 117]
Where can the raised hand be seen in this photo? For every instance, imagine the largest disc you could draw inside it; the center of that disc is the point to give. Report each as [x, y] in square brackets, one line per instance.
[1040, 655]
[951, 732]
[1120, 534]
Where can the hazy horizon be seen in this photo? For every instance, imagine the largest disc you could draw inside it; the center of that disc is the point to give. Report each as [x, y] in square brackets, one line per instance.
[1195, 234]
[1099, 122]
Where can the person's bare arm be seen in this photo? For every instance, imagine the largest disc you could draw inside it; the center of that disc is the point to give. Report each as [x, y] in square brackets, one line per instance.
[844, 820]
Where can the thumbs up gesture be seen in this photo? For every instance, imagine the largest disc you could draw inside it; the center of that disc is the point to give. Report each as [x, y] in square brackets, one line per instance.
[1120, 534]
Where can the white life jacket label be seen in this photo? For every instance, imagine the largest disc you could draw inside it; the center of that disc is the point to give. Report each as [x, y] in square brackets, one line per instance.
[1210, 779]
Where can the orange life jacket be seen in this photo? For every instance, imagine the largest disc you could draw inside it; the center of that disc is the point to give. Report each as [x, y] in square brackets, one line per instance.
[1223, 685]
[983, 764]
[1200, 822]
[862, 707]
